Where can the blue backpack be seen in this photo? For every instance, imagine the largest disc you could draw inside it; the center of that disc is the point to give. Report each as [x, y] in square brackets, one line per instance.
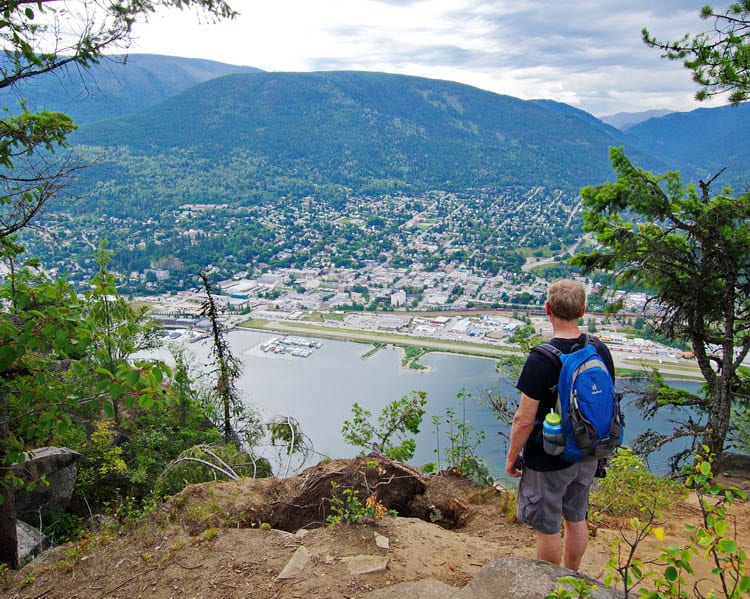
[589, 406]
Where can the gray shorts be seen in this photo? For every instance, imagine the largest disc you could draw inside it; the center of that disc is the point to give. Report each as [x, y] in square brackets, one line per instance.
[545, 498]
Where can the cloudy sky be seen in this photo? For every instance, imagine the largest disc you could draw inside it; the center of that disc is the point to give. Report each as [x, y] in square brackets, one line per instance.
[586, 53]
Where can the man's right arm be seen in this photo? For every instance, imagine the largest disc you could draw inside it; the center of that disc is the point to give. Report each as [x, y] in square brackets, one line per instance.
[520, 431]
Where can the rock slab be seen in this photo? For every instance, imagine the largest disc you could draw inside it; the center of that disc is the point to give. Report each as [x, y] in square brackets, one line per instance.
[518, 578]
[365, 564]
[506, 578]
[428, 588]
[296, 565]
[31, 542]
[59, 466]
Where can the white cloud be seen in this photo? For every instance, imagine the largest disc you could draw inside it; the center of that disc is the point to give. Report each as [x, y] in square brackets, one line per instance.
[588, 53]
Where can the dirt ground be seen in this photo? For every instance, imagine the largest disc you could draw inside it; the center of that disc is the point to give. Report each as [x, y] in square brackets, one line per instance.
[207, 543]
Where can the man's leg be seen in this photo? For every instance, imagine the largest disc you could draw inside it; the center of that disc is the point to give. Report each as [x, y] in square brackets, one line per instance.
[576, 540]
[540, 499]
[575, 510]
[549, 547]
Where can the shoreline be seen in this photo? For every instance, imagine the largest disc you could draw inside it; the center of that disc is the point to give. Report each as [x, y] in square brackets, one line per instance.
[428, 346]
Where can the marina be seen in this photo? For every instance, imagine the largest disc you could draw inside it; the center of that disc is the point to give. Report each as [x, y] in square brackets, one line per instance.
[298, 347]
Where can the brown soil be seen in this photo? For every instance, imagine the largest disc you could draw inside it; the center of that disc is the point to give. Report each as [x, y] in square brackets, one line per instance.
[213, 540]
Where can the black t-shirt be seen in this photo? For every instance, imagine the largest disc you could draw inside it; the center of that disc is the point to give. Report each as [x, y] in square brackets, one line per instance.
[538, 377]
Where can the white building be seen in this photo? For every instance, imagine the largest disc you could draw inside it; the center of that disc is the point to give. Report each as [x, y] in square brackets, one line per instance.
[398, 299]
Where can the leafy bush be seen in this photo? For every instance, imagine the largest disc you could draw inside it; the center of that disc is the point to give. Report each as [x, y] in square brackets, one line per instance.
[463, 442]
[347, 508]
[60, 527]
[155, 437]
[397, 420]
[103, 471]
[127, 461]
[629, 486]
[713, 539]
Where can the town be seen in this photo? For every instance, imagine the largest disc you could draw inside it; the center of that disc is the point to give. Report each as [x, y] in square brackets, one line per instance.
[470, 267]
[329, 304]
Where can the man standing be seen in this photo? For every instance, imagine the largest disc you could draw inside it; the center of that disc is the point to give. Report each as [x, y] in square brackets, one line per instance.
[552, 490]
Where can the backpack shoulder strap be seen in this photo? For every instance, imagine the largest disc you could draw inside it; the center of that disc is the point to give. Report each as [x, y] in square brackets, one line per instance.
[598, 343]
[550, 351]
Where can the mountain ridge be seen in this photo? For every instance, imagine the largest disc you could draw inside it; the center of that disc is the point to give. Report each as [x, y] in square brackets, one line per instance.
[710, 138]
[624, 120]
[349, 127]
[117, 85]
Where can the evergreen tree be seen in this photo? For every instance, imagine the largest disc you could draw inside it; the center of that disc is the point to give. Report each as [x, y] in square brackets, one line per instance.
[693, 249]
[720, 57]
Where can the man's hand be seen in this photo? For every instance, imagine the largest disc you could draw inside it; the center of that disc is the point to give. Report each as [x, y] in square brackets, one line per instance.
[514, 467]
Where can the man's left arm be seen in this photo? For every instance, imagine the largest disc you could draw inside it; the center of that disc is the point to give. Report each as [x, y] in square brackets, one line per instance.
[520, 431]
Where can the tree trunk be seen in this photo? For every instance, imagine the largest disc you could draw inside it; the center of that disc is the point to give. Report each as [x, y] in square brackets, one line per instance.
[719, 411]
[8, 536]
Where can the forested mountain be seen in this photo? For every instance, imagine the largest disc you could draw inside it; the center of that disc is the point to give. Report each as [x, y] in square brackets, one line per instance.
[567, 109]
[116, 86]
[708, 139]
[624, 120]
[364, 131]
[257, 170]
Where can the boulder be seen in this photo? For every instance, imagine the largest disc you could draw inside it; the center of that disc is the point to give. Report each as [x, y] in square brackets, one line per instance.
[506, 578]
[31, 542]
[733, 470]
[518, 578]
[59, 466]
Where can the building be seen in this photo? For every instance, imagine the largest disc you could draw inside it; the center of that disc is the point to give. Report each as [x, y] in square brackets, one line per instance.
[398, 299]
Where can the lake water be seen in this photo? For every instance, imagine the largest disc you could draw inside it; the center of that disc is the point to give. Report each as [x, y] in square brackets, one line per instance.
[318, 391]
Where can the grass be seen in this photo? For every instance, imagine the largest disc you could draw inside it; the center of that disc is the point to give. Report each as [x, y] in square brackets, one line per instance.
[411, 340]
[412, 354]
[376, 347]
[670, 365]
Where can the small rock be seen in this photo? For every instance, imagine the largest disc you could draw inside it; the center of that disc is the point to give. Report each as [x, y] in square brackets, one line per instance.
[382, 542]
[296, 565]
[366, 564]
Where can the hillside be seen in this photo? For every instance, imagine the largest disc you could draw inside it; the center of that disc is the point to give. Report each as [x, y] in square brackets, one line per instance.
[708, 139]
[208, 541]
[116, 86]
[362, 129]
[299, 169]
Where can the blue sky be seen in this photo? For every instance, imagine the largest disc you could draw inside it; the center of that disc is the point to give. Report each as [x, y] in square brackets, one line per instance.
[586, 53]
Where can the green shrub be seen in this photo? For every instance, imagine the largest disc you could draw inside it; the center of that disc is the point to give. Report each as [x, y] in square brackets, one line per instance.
[61, 527]
[629, 487]
[712, 540]
[347, 508]
[103, 471]
[397, 420]
[203, 463]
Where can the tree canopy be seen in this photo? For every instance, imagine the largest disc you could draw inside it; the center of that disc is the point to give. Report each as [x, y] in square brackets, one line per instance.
[719, 57]
[41, 36]
[692, 249]
[49, 340]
